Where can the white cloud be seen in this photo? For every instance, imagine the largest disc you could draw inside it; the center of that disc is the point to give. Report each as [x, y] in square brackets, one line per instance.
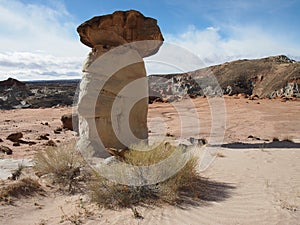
[38, 66]
[241, 42]
[38, 42]
[29, 27]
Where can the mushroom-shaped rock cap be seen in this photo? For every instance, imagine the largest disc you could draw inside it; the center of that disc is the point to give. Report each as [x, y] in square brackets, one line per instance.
[122, 27]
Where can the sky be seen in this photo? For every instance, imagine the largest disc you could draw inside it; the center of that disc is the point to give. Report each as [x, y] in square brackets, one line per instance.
[39, 39]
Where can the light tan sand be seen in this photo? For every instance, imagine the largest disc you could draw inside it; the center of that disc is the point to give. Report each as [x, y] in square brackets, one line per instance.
[31, 122]
[259, 185]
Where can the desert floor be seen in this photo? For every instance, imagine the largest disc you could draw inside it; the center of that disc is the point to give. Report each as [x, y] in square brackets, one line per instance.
[251, 179]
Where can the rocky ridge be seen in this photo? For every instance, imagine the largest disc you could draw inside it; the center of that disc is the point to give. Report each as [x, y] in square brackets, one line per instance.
[37, 94]
[271, 77]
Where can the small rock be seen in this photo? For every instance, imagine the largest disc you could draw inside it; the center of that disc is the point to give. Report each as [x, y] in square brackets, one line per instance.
[202, 141]
[6, 150]
[15, 137]
[192, 140]
[16, 143]
[275, 139]
[27, 142]
[169, 135]
[252, 137]
[43, 137]
[1, 140]
[253, 97]
[242, 95]
[51, 143]
[57, 130]
[70, 122]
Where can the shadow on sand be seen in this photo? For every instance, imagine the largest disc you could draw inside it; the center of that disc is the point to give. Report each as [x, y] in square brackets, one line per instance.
[203, 192]
[274, 144]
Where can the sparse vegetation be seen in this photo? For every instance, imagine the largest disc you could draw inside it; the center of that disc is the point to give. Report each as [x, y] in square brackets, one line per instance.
[63, 163]
[17, 173]
[113, 195]
[24, 187]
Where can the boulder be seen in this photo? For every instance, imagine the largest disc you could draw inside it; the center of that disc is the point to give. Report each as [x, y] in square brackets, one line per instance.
[15, 137]
[70, 121]
[120, 28]
[113, 98]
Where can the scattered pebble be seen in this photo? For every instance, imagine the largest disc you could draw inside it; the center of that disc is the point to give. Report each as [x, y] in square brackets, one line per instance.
[51, 143]
[169, 135]
[6, 150]
[58, 130]
[43, 137]
[16, 144]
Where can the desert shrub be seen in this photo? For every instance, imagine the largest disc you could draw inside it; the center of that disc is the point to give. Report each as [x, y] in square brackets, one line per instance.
[24, 187]
[111, 194]
[63, 163]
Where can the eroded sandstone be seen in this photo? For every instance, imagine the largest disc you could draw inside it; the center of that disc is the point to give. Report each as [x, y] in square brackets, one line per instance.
[113, 98]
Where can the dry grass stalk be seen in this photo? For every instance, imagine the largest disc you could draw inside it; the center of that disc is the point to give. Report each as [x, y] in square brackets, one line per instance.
[63, 163]
[23, 187]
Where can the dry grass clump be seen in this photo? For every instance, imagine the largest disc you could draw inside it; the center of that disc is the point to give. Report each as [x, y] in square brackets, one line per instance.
[142, 154]
[63, 163]
[24, 187]
[110, 194]
[187, 178]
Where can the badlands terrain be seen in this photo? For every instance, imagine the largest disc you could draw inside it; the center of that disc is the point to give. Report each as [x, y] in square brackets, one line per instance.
[254, 177]
[251, 176]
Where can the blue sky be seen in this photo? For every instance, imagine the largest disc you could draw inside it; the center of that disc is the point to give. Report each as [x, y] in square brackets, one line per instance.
[39, 40]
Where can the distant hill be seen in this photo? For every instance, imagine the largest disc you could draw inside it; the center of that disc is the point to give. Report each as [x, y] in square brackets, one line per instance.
[268, 77]
[11, 82]
[276, 76]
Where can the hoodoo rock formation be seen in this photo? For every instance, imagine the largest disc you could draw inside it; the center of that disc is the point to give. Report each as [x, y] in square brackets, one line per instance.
[113, 98]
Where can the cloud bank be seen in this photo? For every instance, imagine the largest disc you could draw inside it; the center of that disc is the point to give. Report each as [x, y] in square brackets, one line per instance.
[212, 48]
[40, 42]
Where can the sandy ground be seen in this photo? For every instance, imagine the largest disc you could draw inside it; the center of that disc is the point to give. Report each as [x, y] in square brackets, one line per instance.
[251, 182]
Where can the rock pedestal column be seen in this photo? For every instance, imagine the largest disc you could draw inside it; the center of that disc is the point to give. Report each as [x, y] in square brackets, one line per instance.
[113, 98]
